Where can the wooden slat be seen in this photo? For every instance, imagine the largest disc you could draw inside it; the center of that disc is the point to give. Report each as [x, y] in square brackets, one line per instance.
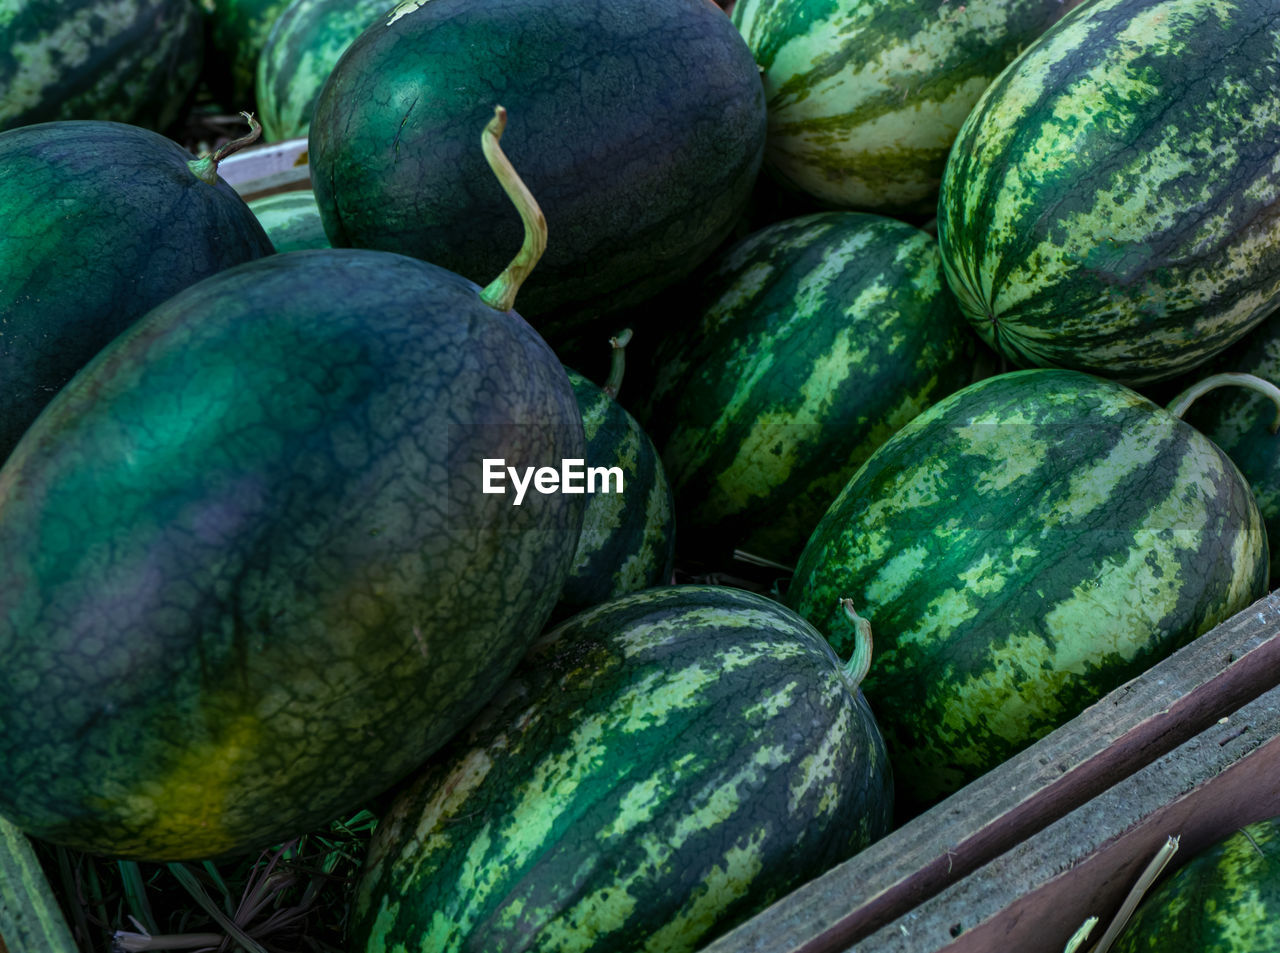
[1123, 732]
[1034, 897]
[30, 919]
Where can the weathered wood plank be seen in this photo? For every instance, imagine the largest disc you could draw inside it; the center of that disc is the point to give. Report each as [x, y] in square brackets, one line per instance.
[1123, 732]
[1034, 897]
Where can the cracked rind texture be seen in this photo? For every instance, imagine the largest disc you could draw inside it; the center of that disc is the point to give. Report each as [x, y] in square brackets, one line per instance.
[818, 338]
[1226, 899]
[628, 537]
[133, 61]
[639, 130]
[1111, 204]
[657, 769]
[103, 221]
[1020, 549]
[250, 575]
[865, 99]
[305, 43]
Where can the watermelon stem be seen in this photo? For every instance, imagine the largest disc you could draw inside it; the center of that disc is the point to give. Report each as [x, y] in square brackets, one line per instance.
[855, 670]
[501, 292]
[618, 367]
[206, 166]
[1178, 406]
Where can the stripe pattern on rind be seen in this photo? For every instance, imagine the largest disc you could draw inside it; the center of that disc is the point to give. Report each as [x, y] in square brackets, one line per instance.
[657, 768]
[820, 336]
[130, 61]
[1020, 549]
[1226, 899]
[865, 99]
[628, 537]
[1111, 202]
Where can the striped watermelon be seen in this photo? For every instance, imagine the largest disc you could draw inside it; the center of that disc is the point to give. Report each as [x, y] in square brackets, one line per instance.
[1226, 899]
[864, 99]
[291, 220]
[819, 337]
[238, 30]
[1112, 203]
[1023, 547]
[131, 61]
[305, 43]
[1242, 422]
[628, 537]
[657, 769]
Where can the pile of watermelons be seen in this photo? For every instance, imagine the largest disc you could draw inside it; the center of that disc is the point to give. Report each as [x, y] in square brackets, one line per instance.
[642, 396]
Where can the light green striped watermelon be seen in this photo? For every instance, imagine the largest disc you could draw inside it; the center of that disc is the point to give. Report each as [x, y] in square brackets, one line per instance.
[1112, 203]
[1226, 899]
[291, 220]
[306, 41]
[1021, 548]
[657, 769]
[130, 61]
[819, 337]
[238, 30]
[865, 99]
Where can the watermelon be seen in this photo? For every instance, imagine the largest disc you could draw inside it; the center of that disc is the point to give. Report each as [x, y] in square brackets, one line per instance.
[1023, 547]
[1225, 899]
[657, 769]
[1111, 203]
[130, 61]
[865, 99]
[238, 30]
[818, 338]
[640, 129]
[1242, 422]
[104, 221]
[291, 220]
[306, 41]
[252, 574]
[628, 528]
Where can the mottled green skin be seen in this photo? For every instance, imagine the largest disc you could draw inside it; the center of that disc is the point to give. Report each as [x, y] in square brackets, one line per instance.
[1239, 421]
[305, 43]
[657, 769]
[132, 61]
[638, 129]
[1111, 203]
[250, 575]
[865, 99]
[238, 31]
[103, 221]
[628, 538]
[819, 337]
[291, 220]
[1021, 548]
[1226, 899]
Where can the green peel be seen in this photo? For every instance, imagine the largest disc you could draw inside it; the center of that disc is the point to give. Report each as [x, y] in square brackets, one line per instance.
[1179, 405]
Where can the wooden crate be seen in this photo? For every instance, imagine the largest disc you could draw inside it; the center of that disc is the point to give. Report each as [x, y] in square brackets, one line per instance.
[264, 170]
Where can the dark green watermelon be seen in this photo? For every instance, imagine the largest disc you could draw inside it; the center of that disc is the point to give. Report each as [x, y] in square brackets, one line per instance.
[1226, 899]
[639, 128]
[1111, 203]
[251, 577]
[818, 338]
[131, 61]
[628, 529]
[1021, 548]
[305, 43]
[657, 769]
[103, 222]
